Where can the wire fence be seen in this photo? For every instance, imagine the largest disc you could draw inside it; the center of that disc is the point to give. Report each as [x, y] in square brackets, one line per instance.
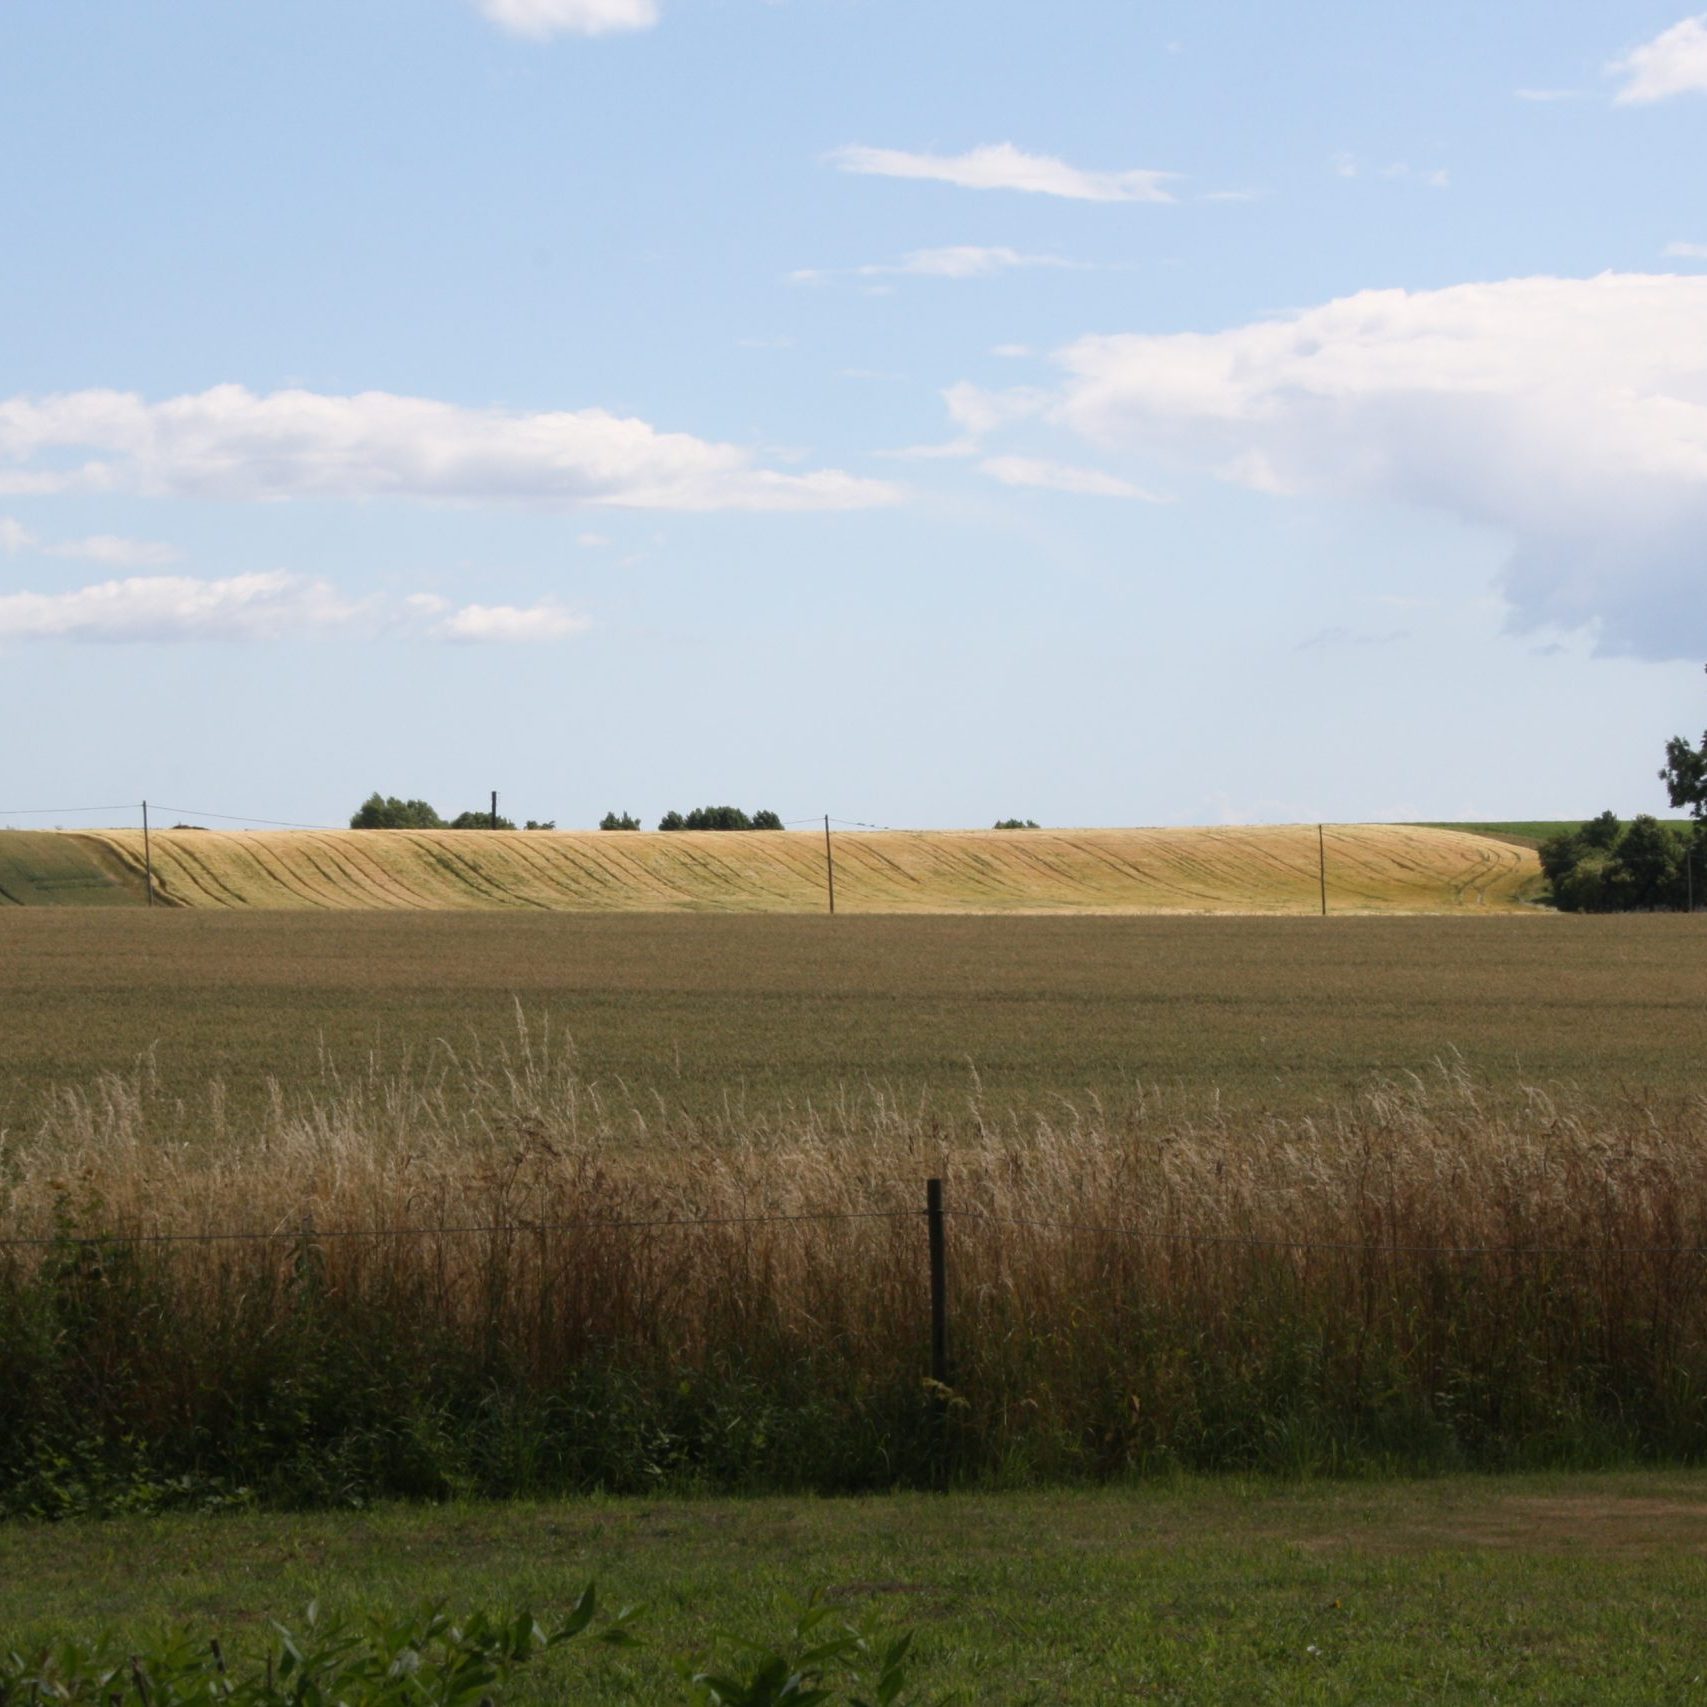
[308, 1231]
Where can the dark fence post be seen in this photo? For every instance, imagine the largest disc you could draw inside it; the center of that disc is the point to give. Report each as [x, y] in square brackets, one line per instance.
[939, 1282]
[941, 1369]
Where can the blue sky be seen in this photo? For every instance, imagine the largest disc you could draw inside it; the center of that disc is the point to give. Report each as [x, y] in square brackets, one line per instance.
[924, 412]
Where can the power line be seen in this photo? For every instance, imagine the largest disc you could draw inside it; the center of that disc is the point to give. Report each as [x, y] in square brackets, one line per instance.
[241, 818]
[63, 811]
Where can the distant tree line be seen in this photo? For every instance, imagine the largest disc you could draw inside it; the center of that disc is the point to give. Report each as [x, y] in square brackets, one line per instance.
[700, 818]
[1016, 824]
[387, 812]
[1611, 867]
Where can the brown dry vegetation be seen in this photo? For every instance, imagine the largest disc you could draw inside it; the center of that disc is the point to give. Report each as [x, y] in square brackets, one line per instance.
[493, 1275]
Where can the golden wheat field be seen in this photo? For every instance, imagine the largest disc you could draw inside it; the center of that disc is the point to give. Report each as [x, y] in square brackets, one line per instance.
[1270, 869]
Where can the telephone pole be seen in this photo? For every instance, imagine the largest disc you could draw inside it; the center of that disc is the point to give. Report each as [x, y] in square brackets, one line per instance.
[147, 856]
[829, 864]
[494, 809]
[1322, 866]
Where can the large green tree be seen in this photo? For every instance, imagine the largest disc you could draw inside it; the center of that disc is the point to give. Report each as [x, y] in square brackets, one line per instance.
[1685, 777]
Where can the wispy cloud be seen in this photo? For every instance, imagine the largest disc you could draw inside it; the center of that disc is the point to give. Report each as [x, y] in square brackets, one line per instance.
[267, 606]
[1061, 477]
[542, 18]
[952, 261]
[1544, 95]
[1001, 166]
[1687, 251]
[111, 549]
[1344, 165]
[1330, 637]
[232, 444]
[1673, 63]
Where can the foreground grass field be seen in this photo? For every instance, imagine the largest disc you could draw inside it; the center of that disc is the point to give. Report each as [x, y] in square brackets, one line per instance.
[1588, 1589]
[1274, 869]
[708, 1015]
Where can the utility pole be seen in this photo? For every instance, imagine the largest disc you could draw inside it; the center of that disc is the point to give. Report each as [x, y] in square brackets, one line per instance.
[1322, 866]
[147, 856]
[494, 809]
[829, 864]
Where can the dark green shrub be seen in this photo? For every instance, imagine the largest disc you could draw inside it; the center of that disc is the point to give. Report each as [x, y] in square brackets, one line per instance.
[387, 812]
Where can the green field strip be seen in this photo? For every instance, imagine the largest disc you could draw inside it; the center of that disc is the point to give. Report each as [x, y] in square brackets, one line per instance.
[55, 868]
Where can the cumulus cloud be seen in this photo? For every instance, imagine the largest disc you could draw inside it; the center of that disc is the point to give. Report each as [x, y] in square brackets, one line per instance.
[1570, 415]
[266, 606]
[1060, 477]
[106, 548]
[1001, 166]
[231, 443]
[542, 18]
[1673, 63]
[952, 261]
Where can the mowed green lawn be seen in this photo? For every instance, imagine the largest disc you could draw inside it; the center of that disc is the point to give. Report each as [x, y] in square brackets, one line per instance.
[710, 1013]
[1590, 1589]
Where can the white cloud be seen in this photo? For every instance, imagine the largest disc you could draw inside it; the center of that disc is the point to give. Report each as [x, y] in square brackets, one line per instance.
[1001, 166]
[230, 443]
[542, 18]
[592, 541]
[105, 548]
[268, 606]
[1673, 63]
[952, 261]
[1060, 477]
[1569, 414]
[1688, 251]
[177, 607]
[511, 623]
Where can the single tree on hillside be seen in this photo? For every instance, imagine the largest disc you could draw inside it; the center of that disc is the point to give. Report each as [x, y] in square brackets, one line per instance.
[1016, 824]
[619, 821]
[479, 821]
[1685, 777]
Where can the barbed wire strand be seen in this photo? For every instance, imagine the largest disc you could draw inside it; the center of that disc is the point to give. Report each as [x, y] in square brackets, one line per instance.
[1366, 1246]
[309, 1234]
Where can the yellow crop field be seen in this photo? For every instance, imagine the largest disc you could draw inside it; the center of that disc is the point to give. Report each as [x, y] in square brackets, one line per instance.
[1271, 869]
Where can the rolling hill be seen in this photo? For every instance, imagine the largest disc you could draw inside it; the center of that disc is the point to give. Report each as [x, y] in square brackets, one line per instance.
[1267, 869]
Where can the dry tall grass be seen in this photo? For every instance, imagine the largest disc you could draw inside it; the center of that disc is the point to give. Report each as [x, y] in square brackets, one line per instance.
[486, 1272]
